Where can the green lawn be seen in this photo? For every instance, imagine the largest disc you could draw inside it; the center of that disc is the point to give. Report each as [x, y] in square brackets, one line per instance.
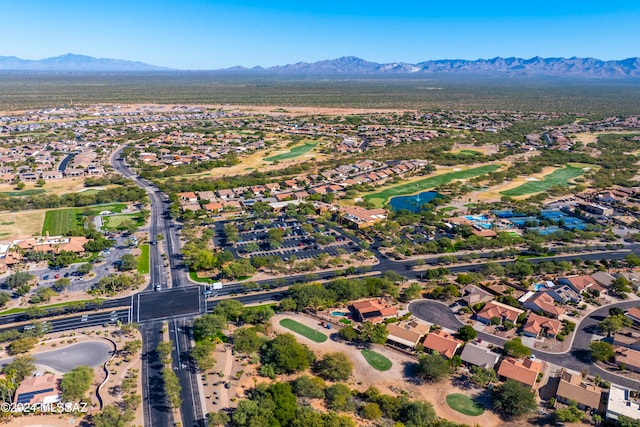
[143, 260]
[60, 221]
[303, 330]
[557, 177]
[194, 276]
[112, 222]
[380, 198]
[464, 404]
[294, 152]
[469, 152]
[376, 360]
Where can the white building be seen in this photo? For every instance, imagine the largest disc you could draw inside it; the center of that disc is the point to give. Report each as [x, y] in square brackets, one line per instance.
[621, 403]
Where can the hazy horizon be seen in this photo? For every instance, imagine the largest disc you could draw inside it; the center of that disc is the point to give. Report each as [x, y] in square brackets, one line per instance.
[209, 35]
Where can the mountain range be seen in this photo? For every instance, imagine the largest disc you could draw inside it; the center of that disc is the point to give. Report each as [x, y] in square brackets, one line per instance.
[351, 65]
[71, 62]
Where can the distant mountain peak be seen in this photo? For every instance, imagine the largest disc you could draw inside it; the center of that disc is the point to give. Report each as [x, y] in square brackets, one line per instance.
[74, 62]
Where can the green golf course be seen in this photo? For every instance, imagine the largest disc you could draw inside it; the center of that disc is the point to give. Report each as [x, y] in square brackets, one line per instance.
[557, 177]
[294, 152]
[382, 197]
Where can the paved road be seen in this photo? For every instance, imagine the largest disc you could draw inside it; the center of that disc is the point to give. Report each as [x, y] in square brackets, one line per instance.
[89, 353]
[577, 358]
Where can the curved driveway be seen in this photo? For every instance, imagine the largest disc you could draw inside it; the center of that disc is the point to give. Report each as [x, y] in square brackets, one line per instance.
[577, 358]
[89, 353]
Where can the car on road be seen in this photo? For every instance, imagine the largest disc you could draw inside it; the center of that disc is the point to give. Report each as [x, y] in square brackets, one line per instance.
[207, 292]
[157, 287]
[57, 276]
[153, 242]
[45, 277]
[84, 318]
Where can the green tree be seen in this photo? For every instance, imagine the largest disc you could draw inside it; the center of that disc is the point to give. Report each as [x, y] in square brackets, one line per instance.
[18, 279]
[348, 333]
[466, 333]
[246, 340]
[132, 401]
[4, 298]
[131, 348]
[285, 402]
[22, 345]
[20, 368]
[308, 386]
[76, 383]
[202, 354]
[419, 413]
[113, 416]
[370, 411]
[483, 376]
[374, 333]
[601, 351]
[164, 351]
[515, 348]
[432, 367]
[339, 398]
[208, 326]
[514, 399]
[334, 367]
[611, 325]
[413, 291]
[172, 386]
[61, 284]
[286, 355]
[216, 419]
[128, 262]
[231, 309]
[85, 268]
[288, 304]
[569, 414]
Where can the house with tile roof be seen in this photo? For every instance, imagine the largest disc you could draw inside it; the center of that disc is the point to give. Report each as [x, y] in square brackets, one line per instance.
[633, 314]
[581, 283]
[442, 342]
[572, 388]
[373, 310]
[497, 309]
[541, 326]
[38, 389]
[628, 357]
[406, 336]
[543, 302]
[525, 371]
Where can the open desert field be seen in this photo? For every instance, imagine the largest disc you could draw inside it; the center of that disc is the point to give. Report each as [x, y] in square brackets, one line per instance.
[14, 225]
[55, 186]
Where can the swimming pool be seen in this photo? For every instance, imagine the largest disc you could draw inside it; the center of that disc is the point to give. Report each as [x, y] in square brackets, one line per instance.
[480, 218]
[339, 314]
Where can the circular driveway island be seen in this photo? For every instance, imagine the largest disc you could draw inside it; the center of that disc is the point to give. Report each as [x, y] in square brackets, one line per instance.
[86, 353]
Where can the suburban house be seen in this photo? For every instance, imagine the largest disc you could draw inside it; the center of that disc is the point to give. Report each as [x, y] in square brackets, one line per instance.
[406, 336]
[620, 403]
[603, 278]
[564, 294]
[189, 196]
[474, 355]
[581, 283]
[633, 278]
[543, 302]
[538, 325]
[474, 295]
[628, 357]
[524, 371]
[633, 314]
[442, 342]
[53, 244]
[497, 309]
[373, 310]
[361, 217]
[571, 388]
[213, 207]
[38, 389]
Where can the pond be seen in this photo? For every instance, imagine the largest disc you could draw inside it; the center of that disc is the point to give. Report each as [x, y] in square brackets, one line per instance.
[412, 203]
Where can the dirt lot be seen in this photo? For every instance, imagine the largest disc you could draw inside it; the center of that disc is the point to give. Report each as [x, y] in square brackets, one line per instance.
[15, 225]
[392, 379]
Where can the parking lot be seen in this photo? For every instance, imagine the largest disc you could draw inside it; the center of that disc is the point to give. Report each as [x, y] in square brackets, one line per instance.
[304, 241]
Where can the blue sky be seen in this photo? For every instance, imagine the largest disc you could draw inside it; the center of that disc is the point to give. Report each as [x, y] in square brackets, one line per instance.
[205, 34]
